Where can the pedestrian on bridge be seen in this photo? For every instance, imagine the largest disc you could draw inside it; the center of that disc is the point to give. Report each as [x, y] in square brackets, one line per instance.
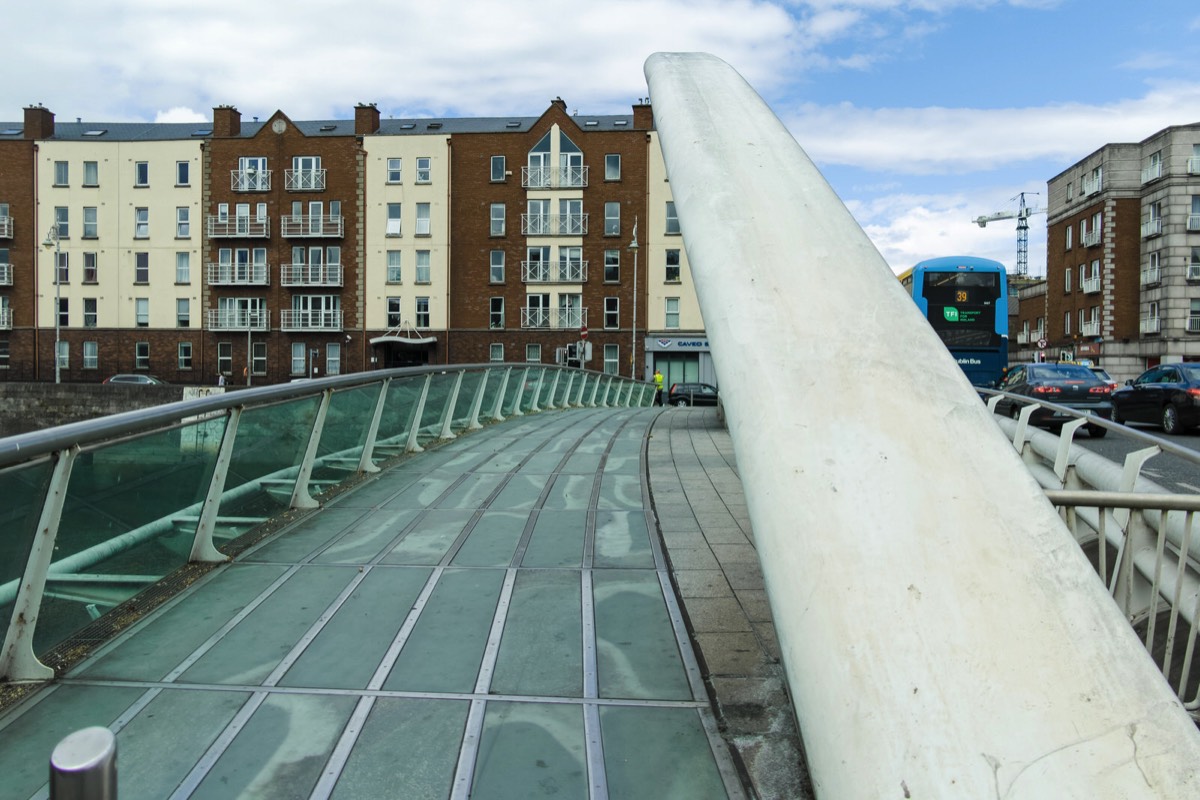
[658, 384]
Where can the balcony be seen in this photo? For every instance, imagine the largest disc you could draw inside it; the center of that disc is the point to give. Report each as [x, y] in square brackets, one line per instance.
[1151, 325]
[223, 319]
[1092, 185]
[1151, 228]
[557, 319]
[1090, 328]
[238, 227]
[1193, 222]
[1023, 337]
[1090, 285]
[1193, 165]
[554, 224]
[304, 180]
[1091, 238]
[554, 177]
[239, 274]
[330, 226]
[6, 227]
[250, 180]
[1152, 172]
[5, 319]
[1193, 272]
[310, 275]
[1193, 324]
[548, 272]
[5, 274]
[1151, 276]
[295, 320]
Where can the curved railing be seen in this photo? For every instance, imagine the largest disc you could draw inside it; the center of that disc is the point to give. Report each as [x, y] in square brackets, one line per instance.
[94, 512]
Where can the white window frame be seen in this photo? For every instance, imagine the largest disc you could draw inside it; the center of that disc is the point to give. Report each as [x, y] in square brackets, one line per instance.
[423, 269]
[395, 272]
[184, 355]
[612, 218]
[496, 219]
[424, 169]
[612, 166]
[394, 219]
[499, 167]
[395, 170]
[496, 267]
[183, 267]
[91, 355]
[183, 312]
[141, 223]
[183, 222]
[142, 312]
[424, 227]
[671, 313]
[496, 313]
[141, 173]
[141, 355]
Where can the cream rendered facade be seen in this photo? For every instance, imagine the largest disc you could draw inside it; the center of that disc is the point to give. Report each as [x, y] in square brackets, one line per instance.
[134, 223]
[384, 243]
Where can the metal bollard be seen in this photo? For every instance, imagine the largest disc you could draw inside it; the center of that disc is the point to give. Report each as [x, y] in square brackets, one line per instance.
[83, 766]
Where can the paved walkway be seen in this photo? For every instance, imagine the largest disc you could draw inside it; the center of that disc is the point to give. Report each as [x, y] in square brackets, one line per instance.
[494, 618]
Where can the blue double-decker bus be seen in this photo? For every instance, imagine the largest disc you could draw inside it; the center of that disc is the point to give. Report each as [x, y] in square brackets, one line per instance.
[965, 300]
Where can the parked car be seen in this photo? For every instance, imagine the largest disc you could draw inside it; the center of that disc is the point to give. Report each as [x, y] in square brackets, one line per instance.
[1070, 385]
[1167, 395]
[135, 378]
[1102, 374]
[692, 394]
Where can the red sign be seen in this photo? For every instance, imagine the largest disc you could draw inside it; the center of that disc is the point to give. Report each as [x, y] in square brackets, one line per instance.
[583, 332]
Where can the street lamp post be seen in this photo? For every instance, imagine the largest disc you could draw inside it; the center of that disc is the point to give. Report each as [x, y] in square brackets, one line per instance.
[633, 344]
[52, 241]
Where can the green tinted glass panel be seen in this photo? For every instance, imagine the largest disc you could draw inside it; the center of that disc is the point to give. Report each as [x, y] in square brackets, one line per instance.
[514, 390]
[638, 741]
[530, 662]
[399, 409]
[491, 390]
[521, 740]
[466, 399]
[637, 655]
[346, 424]
[23, 491]
[440, 387]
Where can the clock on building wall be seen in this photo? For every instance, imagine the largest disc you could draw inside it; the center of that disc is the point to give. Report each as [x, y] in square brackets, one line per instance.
[279, 126]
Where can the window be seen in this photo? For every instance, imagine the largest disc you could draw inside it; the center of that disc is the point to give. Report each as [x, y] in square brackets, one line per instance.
[422, 312]
[422, 266]
[496, 352]
[1068, 232]
[89, 312]
[91, 355]
[258, 358]
[183, 225]
[4, 348]
[307, 174]
[141, 173]
[64, 312]
[141, 355]
[64, 355]
[141, 267]
[497, 219]
[91, 174]
[498, 165]
[611, 316]
[91, 228]
[183, 312]
[64, 267]
[496, 268]
[62, 220]
[225, 357]
[612, 266]
[183, 173]
[612, 219]
[333, 359]
[423, 228]
[183, 267]
[672, 266]
[142, 311]
[612, 167]
[672, 219]
[1066, 323]
[395, 316]
[423, 169]
[62, 175]
[672, 313]
[298, 356]
[393, 220]
[185, 355]
[611, 362]
[496, 313]
[89, 268]
[393, 266]
[141, 223]
[533, 352]
[394, 172]
[1067, 280]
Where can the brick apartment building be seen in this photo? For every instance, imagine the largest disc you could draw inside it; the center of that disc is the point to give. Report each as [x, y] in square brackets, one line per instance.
[268, 250]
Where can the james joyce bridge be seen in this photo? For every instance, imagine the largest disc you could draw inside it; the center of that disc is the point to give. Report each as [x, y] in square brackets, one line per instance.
[290, 591]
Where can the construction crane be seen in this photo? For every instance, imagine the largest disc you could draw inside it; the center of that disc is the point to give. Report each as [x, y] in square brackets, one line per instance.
[1022, 214]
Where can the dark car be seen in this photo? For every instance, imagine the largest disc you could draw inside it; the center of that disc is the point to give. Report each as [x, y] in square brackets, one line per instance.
[1167, 395]
[146, 380]
[692, 394]
[1070, 385]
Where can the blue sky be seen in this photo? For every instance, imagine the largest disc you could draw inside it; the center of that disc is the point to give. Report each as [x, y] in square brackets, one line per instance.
[922, 114]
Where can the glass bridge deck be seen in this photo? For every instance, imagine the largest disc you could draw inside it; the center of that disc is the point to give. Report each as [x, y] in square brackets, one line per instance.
[492, 618]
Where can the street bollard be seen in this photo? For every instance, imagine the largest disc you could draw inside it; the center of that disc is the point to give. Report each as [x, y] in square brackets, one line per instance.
[83, 766]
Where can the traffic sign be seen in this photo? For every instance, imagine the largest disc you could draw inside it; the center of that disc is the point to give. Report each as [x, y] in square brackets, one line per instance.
[1042, 343]
[583, 332]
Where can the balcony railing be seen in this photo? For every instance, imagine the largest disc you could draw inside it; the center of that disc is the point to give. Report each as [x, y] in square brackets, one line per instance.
[298, 320]
[6, 227]
[1193, 165]
[1090, 328]
[1023, 337]
[329, 226]
[1090, 285]
[222, 319]
[1193, 272]
[304, 180]
[250, 180]
[1193, 222]
[5, 319]
[554, 177]
[1092, 185]
[1152, 172]
[239, 227]
[554, 318]
[239, 274]
[1193, 324]
[1151, 228]
[1091, 238]
[310, 275]
[5, 274]
[1151, 325]
[1151, 276]
[554, 224]
[550, 272]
